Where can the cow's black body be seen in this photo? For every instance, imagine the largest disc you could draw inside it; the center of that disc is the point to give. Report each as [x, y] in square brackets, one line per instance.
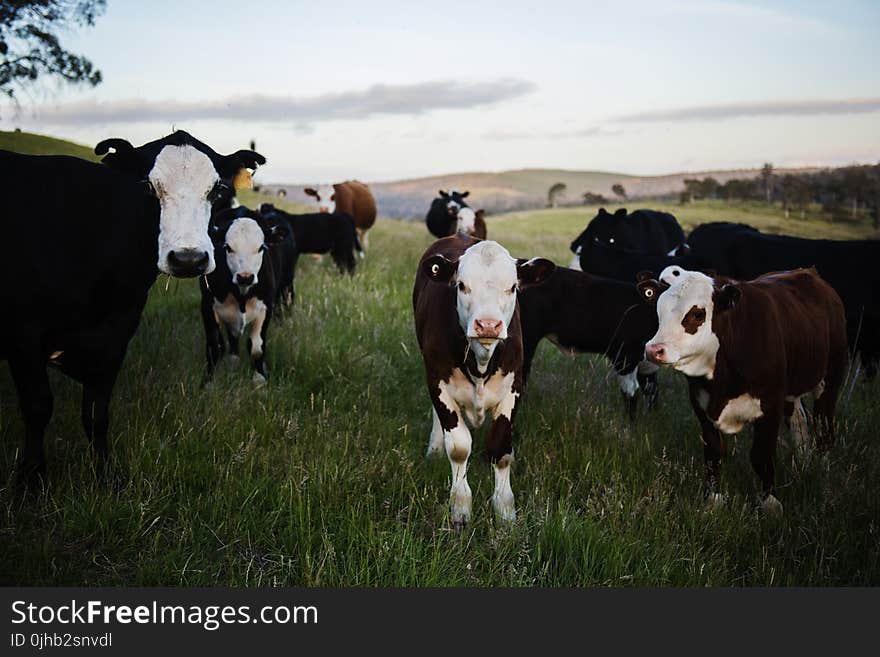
[582, 313]
[609, 238]
[320, 232]
[847, 265]
[443, 213]
[84, 250]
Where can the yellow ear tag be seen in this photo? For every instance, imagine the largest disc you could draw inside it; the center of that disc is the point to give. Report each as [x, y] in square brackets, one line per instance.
[243, 180]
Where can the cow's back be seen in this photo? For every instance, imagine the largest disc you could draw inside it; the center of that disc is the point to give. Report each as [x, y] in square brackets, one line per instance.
[355, 198]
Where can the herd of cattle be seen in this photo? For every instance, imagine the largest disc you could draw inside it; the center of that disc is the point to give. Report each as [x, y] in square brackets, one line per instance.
[753, 321]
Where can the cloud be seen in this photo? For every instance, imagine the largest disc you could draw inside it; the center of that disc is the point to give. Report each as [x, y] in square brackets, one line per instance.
[301, 112]
[769, 108]
[503, 134]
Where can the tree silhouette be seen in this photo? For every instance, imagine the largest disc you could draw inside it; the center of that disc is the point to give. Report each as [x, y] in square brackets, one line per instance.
[618, 190]
[556, 191]
[767, 180]
[30, 48]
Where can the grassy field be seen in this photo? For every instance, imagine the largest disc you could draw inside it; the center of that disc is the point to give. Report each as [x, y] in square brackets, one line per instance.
[32, 144]
[320, 479]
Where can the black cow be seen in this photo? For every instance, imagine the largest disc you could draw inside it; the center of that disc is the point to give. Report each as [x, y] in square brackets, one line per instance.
[442, 216]
[847, 265]
[320, 232]
[582, 313]
[84, 258]
[241, 293]
[608, 237]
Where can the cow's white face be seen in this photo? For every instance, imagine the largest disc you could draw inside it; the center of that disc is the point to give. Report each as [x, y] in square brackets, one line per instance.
[183, 177]
[245, 245]
[466, 220]
[326, 198]
[684, 338]
[486, 283]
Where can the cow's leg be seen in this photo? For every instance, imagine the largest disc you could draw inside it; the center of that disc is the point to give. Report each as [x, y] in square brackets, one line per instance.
[648, 385]
[257, 343]
[826, 397]
[364, 242]
[96, 418]
[763, 457]
[28, 368]
[458, 449]
[713, 448]
[435, 442]
[629, 387]
[232, 338]
[500, 450]
[529, 349]
[213, 342]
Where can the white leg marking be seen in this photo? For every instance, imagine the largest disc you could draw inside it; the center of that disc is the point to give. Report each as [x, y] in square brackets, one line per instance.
[435, 442]
[502, 498]
[458, 449]
[629, 383]
[255, 312]
[771, 506]
[800, 432]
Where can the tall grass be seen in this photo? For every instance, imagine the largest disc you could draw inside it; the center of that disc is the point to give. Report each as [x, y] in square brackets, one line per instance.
[320, 479]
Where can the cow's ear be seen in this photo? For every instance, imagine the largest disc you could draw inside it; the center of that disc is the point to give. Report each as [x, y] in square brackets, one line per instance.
[124, 156]
[311, 191]
[439, 268]
[644, 276]
[465, 194]
[444, 194]
[650, 289]
[620, 212]
[726, 297]
[275, 233]
[230, 165]
[603, 211]
[534, 271]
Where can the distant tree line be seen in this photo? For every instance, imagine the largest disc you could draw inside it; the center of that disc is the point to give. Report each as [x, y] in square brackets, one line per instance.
[842, 193]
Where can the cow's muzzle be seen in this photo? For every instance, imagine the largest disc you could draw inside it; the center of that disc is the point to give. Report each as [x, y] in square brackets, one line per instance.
[656, 353]
[188, 263]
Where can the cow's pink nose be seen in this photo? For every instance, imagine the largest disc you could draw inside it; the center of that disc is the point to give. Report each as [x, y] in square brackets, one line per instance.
[488, 328]
[656, 353]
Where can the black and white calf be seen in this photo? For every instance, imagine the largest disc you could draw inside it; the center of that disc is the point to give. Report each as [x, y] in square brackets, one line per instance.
[86, 255]
[467, 325]
[240, 294]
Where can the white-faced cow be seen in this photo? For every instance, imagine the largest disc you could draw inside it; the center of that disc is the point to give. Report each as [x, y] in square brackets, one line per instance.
[352, 198]
[467, 324]
[471, 223]
[749, 351]
[89, 241]
[241, 293]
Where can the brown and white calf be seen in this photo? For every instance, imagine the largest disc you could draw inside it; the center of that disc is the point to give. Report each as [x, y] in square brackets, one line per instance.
[749, 351]
[471, 222]
[351, 197]
[468, 328]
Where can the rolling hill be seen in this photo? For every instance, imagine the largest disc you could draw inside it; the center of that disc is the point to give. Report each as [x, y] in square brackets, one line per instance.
[519, 189]
[33, 144]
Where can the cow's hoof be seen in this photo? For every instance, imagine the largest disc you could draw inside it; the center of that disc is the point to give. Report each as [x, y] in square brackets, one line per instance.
[505, 510]
[715, 501]
[772, 507]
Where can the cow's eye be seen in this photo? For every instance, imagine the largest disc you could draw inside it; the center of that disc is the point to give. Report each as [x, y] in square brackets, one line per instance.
[150, 187]
[262, 247]
[462, 287]
[512, 289]
[228, 248]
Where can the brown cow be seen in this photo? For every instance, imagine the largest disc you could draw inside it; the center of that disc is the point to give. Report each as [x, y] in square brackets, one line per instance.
[467, 324]
[471, 223]
[750, 350]
[351, 197]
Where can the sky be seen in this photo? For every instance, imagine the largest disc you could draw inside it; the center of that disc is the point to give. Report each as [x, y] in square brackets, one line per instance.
[391, 90]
